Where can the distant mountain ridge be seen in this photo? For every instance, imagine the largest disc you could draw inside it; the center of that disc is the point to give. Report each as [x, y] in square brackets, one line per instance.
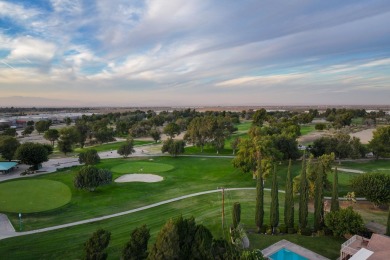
[21, 101]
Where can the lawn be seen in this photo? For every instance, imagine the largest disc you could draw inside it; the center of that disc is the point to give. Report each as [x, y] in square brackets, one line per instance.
[368, 165]
[67, 243]
[188, 175]
[307, 129]
[28, 196]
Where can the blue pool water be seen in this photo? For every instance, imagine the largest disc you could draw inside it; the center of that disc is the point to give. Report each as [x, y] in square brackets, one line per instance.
[284, 254]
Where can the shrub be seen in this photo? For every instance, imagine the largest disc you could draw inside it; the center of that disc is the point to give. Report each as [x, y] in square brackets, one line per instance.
[94, 247]
[344, 221]
[305, 231]
[283, 229]
[89, 157]
[90, 178]
[291, 230]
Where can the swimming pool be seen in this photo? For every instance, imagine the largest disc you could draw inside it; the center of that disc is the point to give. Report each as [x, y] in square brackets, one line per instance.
[284, 254]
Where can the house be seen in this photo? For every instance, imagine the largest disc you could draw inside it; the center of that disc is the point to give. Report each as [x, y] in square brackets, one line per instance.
[360, 248]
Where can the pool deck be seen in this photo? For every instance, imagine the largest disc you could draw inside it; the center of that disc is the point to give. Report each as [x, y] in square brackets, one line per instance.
[292, 247]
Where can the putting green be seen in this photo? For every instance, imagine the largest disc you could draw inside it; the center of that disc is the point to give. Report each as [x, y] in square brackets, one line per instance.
[139, 167]
[28, 196]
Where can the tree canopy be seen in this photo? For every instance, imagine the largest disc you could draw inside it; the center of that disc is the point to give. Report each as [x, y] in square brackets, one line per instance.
[90, 177]
[375, 187]
[96, 244]
[89, 157]
[8, 147]
[32, 154]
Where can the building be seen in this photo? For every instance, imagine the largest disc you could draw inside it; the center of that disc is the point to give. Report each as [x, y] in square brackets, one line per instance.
[360, 248]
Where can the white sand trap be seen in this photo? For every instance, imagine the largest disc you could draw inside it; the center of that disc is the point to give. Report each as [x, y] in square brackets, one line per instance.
[144, 177]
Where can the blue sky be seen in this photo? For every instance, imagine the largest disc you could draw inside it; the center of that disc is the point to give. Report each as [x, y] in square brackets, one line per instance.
[196, 52]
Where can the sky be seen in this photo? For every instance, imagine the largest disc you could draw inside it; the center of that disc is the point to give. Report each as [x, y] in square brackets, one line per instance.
[194, 52]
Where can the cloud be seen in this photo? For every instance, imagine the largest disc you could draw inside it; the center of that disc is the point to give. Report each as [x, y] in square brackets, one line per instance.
[30, 48]
[259, 80]
[188, 48]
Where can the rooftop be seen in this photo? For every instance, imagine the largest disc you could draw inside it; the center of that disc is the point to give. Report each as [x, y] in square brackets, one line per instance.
[5, 166]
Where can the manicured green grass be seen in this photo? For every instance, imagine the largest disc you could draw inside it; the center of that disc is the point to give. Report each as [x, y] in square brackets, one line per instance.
[307, 129]
[368, 166]
[27, 196]
[189, 175]
[244, 126]
[68, 243]
[357, 121]
[136, 167]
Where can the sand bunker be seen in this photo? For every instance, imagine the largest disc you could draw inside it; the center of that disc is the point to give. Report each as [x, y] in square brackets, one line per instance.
[144, 177]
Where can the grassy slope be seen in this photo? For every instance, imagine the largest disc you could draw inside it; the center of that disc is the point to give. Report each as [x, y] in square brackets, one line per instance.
[188, 176]
[67, 243]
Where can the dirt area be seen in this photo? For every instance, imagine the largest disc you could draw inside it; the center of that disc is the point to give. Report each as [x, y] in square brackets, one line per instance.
[145, 177]
[311, 137]
[364, 135]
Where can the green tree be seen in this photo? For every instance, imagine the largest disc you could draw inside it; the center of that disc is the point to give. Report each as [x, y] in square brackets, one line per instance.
[96, 244]
[196, 133]
[173, 147]
[42, 126]
[274, 212]
[8, 147]
[259, 117]
[334, 205]
[289, 200]
[68, 137]
[303, 197]
[318, 200]
[89, 178]
[104, 135]
[32, 154]
[89, 157]
[320, 126]
[344, 221]
[221, 249]
[252, 255]
[155, 134]
[10, 132]
[127, 148]
[68, 121]
[234, 144]
[52, 135]
[236, 214]
[380, 142]
[137, 247]
[28, 130]
[375, 187]
[171, 130]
